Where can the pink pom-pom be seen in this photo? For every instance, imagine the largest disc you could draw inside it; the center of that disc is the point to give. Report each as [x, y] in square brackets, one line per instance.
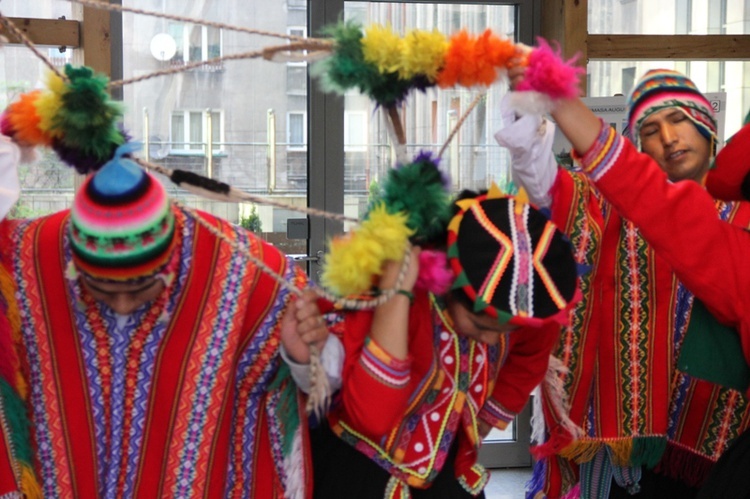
[549, 74]
[6, 127]
[434, 274]
[574, 493]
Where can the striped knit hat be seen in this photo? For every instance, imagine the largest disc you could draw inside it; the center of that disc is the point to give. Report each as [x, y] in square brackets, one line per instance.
[511, 261]
[664, 88]
[122, 224]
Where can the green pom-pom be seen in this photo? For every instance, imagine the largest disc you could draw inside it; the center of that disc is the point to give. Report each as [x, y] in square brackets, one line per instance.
[88, 116]
[347, 69]
[418, 189]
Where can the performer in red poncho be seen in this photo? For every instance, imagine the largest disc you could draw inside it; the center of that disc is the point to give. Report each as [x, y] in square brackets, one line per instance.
[141, 352]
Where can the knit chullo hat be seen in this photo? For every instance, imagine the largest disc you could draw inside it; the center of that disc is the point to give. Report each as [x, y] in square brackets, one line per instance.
[511, 261]
[121, 223]
[664, 88]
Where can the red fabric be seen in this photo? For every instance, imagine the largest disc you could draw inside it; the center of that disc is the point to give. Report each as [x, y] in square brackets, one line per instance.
[74, 392]
[731, 167]
[709, 256]
[378, 411]
[43, 240]
[522, 371]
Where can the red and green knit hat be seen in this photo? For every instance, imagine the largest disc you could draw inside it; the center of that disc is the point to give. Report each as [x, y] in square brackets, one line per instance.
[121, 223]
[664, 88]
[511, 261]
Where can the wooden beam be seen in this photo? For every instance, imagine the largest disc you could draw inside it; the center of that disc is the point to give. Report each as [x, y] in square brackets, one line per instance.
[566, 22]
[54, 32]
[664, 47]
[96, 41]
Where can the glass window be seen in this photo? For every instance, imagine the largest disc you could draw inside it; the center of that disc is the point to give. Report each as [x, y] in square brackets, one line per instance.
[249, 101]
[297, 130]
[665, 17]
[355, 131]
[296, 79]
[195, 43]
[189, 131]
[472, 158]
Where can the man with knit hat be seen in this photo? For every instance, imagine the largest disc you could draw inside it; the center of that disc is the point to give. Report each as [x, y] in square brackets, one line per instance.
[639, 410]
[139, 349]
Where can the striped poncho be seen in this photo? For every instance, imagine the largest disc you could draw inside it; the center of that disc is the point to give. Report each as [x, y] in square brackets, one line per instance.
[636, 408]
[184, 397]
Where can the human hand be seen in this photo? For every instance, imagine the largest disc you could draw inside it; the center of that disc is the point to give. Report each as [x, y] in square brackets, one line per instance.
[516, 72]
[391, 270]
[302, 326]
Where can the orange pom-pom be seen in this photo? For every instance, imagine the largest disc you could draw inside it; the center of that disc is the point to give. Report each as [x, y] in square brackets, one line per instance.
[461, 45]
[474, 61]
[499, 50]
[24, 121]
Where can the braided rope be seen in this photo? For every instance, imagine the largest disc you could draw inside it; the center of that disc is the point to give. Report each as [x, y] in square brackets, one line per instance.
[237, 196]
[313, 45]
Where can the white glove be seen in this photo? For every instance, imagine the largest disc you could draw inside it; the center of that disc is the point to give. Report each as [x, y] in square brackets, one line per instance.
[10, 187]
[529, 139]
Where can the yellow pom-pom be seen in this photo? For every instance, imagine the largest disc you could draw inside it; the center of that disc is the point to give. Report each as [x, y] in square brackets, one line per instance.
[355, 259]
[350, 264]
[49, 103]
[382, 47]
[389, 229]
[423, 54]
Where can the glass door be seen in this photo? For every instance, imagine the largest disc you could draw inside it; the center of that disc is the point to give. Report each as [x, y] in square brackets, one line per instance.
[351, 151]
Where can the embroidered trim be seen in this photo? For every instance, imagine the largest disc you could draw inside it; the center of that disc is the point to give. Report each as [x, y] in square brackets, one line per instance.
[395, 489]
[494, 413]
[383, 367]
[602, 154]
[479, 481]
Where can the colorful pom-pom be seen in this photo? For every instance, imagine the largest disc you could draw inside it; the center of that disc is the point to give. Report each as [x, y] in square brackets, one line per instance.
[382, 48]
[549, 74]
[23, 121]
[419, 190]
[435, 275]
[49, 104]
[473, 60]
[356, 258]
[423, 53]
[88, 116]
